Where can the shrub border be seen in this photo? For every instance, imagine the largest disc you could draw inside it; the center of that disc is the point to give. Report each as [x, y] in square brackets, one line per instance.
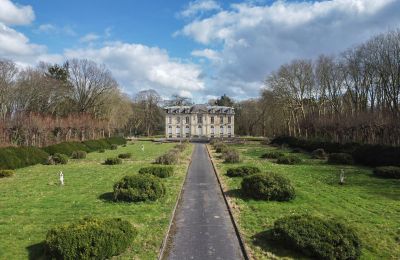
[235, 225]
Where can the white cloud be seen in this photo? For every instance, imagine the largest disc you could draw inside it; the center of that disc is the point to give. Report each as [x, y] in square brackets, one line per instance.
[90, 37]
[139, 67]
[200, 7]
[12, 14]
[206, 53]
[256, 39]
[46, 28]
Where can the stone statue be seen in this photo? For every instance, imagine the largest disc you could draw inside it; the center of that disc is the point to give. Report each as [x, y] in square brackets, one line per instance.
[341, 178]
[61, 178]
[142, 147]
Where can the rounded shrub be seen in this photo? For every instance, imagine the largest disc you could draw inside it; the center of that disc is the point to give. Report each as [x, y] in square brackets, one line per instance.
[319, 154]
[168, 158]
[6, 173]
[268, 186]
[57, 158]
[242, 171]
[220, 147]
[78, 155]
[159, 171]
[112, 161]
[139, 188]
[181, 147]
[89, 238]
[231, 156]
[272, 155]
[390, 172]
[317, 238]
[102, 151]
[289, 159]
[114, 147]
[125, 155]
[340, 158]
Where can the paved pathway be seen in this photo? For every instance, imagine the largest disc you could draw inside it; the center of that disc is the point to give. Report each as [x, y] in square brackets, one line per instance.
[202, 226]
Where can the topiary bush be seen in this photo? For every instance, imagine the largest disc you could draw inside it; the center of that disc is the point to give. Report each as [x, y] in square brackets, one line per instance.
[242, 171]
[114, 147]
[6, 173]
[267, 186]
[272, 155]
[112, 161]
[57, 158]
[289, 159]
[18, 157]
[340, 158]
[231, 156]
[90, 238]
[136, 188]
[319, 154]
[78, 155]
[168, 158]
[159, 171]
[390, 172]
[317, 238]
[125, 155]
[66, 148]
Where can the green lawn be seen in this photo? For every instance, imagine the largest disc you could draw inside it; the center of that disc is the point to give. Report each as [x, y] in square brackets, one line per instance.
[368, 204]
[31, 202]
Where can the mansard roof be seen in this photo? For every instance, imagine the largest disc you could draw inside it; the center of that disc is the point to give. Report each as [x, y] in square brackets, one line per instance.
[196, 109]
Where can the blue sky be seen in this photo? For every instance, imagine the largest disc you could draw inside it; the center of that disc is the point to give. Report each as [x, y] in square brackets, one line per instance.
[199, 49]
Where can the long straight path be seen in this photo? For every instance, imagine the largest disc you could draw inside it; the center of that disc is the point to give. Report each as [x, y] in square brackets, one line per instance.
[202, 227]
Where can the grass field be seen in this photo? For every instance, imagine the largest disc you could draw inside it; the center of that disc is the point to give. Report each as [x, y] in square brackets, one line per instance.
[368, 204]
[32, 201]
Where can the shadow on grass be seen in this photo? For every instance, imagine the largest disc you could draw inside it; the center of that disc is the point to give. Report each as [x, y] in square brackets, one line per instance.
[265, 241]
[107, 197]
[234, 193]
[36, 251]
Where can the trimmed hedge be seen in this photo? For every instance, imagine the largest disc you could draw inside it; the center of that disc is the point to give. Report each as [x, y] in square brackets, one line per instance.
[136, 188]
[319, 154]
[159, 171]
[231, 156]
[370, 155]
[90, 238]
[317, 238]
[390, 172]
[242, 171]
[95, 145]
[288, 159]
[78, 155]
[6, 173]
[116, 140]
[125, 155]
[66, 148]
[114, 147]
[272, 155]
[112, 161]
[267, 186]
[18, 157]
[340, 158]
[57, 158]
[168, 158]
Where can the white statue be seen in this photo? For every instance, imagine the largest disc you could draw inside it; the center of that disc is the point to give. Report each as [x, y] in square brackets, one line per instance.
[61, 178]
[142, 147]
[341, 181]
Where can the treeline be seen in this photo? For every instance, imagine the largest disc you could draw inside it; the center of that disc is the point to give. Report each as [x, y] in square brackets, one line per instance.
[77, 101]
[353, 97]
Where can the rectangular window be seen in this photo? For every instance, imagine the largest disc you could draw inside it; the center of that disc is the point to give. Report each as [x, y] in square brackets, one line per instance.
[178, 120]
[169, 120]
[199, 119]
[221, 120]
[229, 120]
[212, 120]
[187, 120]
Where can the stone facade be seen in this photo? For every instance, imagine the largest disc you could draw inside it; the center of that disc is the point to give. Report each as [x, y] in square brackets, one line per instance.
[199, 121]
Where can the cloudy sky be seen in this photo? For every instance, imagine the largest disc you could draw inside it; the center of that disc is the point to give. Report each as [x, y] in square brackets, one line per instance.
[199, 49]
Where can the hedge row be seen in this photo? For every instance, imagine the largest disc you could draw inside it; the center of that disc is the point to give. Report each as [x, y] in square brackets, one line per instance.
[365, 154]
[19, 157]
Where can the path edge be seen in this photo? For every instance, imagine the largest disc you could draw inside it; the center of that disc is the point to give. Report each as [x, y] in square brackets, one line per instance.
[178, 199]
[235, 226]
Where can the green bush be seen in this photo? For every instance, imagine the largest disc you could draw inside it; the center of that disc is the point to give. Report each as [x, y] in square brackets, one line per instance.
[95, 145]
[289, 159]
[66, 148]
[267, 186]
[181, 147]
[272, 155]
[78, 155]
[102, 151]
[319, 154]
[57, 158]
[220, 147]
[18, 157]
[242, 171]
[112, 161]
[125, 155]
[89, 238]
[168, 158]
[139, 188]
[390, 172]
[159, 171]
[317, 238]
[6, 173]
[116, 140]
[114, 147]
[340, 158]
[231, 156]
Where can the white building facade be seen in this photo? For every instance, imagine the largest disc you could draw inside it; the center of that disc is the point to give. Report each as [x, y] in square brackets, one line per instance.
[199, 121]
